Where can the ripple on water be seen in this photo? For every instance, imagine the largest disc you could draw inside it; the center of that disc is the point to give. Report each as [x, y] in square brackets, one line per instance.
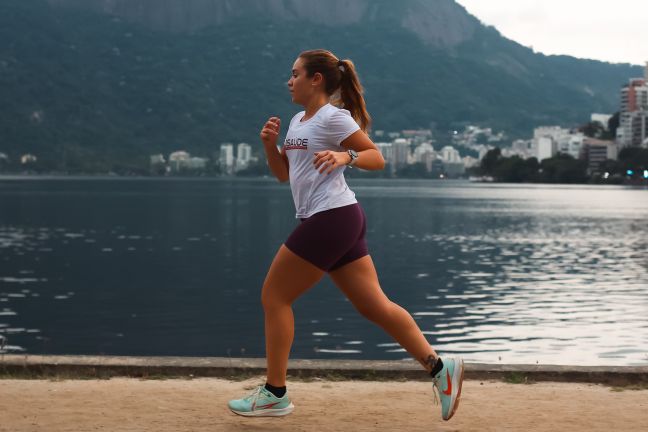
[337, 351]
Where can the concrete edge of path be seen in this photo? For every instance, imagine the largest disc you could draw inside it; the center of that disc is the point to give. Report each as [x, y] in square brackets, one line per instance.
[84, 367]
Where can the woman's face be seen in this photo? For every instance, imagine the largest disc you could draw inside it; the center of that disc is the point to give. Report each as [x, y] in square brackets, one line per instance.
[301, 86]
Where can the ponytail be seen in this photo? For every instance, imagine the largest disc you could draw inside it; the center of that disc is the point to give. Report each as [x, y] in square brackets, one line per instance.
[351, 94]
[341, 83]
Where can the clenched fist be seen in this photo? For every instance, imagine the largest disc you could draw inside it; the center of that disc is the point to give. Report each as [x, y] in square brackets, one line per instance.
[270, 131]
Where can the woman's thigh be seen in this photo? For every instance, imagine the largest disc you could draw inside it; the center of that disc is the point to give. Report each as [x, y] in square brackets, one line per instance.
[358, 280]
[289, 276]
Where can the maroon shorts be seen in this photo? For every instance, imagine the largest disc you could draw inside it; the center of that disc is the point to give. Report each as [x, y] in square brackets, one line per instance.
[331, 238]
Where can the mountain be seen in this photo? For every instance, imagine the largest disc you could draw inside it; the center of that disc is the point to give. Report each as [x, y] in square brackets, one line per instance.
[438, 22]
[101, 84]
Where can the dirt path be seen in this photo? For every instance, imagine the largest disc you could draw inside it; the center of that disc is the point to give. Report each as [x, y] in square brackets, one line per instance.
[123, 404]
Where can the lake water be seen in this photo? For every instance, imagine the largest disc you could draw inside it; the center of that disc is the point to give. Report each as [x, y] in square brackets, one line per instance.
[497, 273]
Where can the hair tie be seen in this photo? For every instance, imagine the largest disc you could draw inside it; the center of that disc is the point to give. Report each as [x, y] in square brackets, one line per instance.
[341, 65]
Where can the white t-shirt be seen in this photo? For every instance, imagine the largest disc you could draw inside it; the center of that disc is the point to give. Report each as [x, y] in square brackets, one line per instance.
[314, 192]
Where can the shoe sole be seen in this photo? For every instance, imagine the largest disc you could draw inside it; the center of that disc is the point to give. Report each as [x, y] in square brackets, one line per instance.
[458, 398]
[267, 412]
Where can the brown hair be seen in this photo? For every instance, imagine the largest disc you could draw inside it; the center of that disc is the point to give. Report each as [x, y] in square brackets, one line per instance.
[341, 83]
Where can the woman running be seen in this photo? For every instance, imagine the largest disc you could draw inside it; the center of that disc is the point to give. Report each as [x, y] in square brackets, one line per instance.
[321, 141]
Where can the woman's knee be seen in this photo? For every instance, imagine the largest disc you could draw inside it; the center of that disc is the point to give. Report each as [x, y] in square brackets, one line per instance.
[271, 297]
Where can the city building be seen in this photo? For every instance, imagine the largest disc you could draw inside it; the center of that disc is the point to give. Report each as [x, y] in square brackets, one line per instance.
[521, 148]
[633, 118]
[401, 153]
[425, 154]
[226, 158]
[469, 161]
[423, 133]
[546, 148]
[178, 160]
[28, 158]
[601, 118]
[387, 151]
[595, 151]
[157, 159]
[243, 156]
[196, 163]
[450, 154]
[548, 140]
[452, 162]
[421, 151]
[572, 145]
[158, 165]
[417, 136]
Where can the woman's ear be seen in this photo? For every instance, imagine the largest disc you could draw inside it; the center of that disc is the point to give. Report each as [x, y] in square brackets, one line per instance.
[318, 79]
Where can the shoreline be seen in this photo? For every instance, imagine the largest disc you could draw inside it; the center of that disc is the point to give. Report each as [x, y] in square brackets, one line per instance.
[16, 366]
[83, 393]
[106, 176]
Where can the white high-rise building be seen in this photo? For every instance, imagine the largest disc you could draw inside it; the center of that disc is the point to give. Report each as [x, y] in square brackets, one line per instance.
[243, 156]
[227, 158]
[450, 154]
[387, 151]
[546, 147]
[421, 151]
[424, 153]
[401, 149]
[547, 140]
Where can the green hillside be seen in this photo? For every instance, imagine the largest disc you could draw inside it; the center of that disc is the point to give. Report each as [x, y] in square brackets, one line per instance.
[88, 92]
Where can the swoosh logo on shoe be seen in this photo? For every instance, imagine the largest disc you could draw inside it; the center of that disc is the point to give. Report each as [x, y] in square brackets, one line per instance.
[270, 405]
[448, 391]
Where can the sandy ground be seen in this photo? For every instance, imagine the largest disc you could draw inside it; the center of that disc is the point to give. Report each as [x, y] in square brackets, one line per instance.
[123, 404]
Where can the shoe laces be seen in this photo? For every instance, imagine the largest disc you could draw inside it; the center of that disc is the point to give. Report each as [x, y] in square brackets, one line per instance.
[254, 396]
[435, 385]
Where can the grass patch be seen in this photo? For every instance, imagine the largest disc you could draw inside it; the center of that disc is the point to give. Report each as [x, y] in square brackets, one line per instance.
[517, 378]
[631, 387]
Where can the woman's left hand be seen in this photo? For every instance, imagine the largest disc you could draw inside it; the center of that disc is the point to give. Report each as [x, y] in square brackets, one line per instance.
[329, 160]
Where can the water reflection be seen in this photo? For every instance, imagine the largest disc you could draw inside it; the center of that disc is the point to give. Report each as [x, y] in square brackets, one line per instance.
[515, 274]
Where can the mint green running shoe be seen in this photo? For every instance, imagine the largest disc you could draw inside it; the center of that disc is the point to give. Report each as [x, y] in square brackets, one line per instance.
[448, 383]
[262, 403]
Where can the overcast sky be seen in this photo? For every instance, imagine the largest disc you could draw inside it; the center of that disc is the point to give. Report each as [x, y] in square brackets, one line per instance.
[614, 31]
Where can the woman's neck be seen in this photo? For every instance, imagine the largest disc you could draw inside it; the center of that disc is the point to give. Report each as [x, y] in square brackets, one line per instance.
[314, 105]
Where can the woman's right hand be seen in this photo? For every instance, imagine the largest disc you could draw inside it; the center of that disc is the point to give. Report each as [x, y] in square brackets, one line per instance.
[270, 131]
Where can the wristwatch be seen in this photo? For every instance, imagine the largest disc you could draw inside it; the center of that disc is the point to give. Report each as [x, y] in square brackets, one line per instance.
[354, 156]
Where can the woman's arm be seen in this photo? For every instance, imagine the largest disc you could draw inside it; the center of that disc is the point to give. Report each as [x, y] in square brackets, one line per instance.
[277, 160]
[369, 157]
